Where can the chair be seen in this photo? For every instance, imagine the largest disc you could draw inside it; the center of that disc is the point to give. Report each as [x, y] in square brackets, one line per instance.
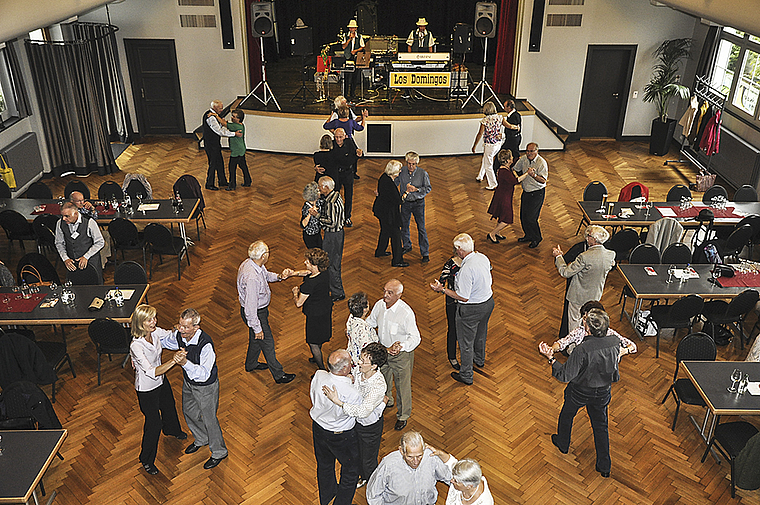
[135, 188]
[110, 190]
[163, 242]
[109, 338]
[732, 313]
[5, 191]
[45, 234]
[595, 191]
[737, 241]
[664, 232]
[16, 227]
[733, 439]
[716, 190]
[642, 254]
[680, 314]
[76, 186]
[188, 187]
[633, 190]
[87, 276]
[693, 347]
[677, 253]
[622, 242]
[43, 266]
[23, 359]
[39, 191]
[745, 194]
[126, 237]
[677, 192]
[130, 272]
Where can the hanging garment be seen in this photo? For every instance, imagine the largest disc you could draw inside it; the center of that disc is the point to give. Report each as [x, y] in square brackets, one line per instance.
[633, 190]
[711, 138]
[699, 121]
[688, 117]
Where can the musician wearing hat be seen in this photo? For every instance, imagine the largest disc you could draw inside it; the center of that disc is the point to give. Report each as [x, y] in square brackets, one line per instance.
[352, 44]
[420, 40]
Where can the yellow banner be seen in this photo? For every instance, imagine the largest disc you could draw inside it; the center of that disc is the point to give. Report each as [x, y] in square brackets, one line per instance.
[420, 79]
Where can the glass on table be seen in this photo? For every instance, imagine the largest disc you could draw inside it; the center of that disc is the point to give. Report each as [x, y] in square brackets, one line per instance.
[671, 274]
[736, 376]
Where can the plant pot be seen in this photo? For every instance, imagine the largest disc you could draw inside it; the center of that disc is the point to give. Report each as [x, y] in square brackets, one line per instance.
[662, 135]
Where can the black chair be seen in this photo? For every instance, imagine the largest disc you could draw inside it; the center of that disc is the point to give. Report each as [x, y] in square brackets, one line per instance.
[76, 186]
[5, 191]
[39, 191]
[677, 192]
[45, 234]
[162, 242]
[679, 315]
[16, 227]
[110, 338]
[30, 365]
[676, 253]
[595, 192]
[43, 266]
[694, 347]
[732, 439]
[110, 190]
[622, 242]
[737, 241]
[130, 272]
[714, 191]
[720, 312]
[134, 188]
[88, 276]
[184, 186]
[745, 194]
[642, 254]
[126, 237]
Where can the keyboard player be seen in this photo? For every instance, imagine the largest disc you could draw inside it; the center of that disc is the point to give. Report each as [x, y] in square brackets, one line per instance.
[420, 40]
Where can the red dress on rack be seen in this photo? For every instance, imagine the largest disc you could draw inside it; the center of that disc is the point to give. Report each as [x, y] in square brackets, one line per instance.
[711, 137]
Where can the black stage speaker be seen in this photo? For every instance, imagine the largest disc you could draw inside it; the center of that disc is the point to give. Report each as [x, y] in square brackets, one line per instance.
[536, 25]
[366, 17]
[262, 24]
[485, 20]
[378, 138]
[462, 38]
[225, 19]
[300, 41]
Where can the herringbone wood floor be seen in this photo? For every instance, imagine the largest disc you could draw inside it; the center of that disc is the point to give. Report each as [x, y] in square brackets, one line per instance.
[504, 420]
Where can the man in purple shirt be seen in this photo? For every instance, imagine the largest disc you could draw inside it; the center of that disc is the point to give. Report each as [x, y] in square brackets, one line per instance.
[253, 291]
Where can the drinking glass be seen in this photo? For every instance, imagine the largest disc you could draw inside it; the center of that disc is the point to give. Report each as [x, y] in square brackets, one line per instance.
[736, 376]
[671, 273]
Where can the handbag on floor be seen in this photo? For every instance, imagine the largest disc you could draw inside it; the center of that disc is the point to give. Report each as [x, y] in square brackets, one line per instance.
[6, 173]
[705, 180]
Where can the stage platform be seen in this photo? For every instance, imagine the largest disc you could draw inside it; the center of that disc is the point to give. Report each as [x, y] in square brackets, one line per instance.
[431, 123]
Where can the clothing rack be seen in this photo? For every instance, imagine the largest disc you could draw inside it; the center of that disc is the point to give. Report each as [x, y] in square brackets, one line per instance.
[715, 98]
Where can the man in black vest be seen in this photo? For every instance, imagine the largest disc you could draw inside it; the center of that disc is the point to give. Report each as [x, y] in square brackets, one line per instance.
[200, 390]
[352, 44]
[78, 239]
[344, 155]
[420, 40]
[213, 132]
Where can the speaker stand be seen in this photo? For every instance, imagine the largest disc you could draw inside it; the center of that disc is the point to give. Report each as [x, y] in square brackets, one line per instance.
[266, 91]
[303, 89]
[483, 85]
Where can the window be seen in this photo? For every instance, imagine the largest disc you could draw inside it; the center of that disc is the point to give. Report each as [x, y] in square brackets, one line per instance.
[736, 72]
[748, 86]
[8, 109]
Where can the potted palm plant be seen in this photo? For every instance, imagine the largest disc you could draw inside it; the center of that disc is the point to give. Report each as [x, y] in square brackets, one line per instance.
[663, 86]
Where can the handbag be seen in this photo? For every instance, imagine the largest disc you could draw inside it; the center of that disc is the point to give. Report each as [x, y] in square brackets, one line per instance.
[6, 173]
[31, 271]
[705, 180]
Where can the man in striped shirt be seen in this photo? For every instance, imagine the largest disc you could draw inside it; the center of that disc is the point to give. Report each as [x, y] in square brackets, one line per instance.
[331, 219]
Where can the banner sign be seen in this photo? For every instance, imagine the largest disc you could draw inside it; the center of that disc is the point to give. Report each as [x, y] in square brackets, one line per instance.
[420, 79]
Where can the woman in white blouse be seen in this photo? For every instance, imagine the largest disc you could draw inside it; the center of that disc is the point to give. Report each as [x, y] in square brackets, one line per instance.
[358, 331]
[369, 414]
[154, 394]
[468, 486]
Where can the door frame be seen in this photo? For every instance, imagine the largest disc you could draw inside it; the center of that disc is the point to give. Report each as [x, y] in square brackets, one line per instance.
[631, 48]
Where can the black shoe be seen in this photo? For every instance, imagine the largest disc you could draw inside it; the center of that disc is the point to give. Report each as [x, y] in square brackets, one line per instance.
[457, 377]
[246, 184]
[180, 436]
[258, 366]
[604, 474]
[534, 244]
[400, 425]
[337, 298]
[556, 444]
[426, 259]
[286, 377]
[356, 176]
[347, 223]
[405, 250]
[382, 254]
[230, 188]
[477, 365]
[152, 470]
[400, 264]
[312, 360]
[455, 364]
[492, 240]
[212, 188]
[212, 462]
[499, 237]
[192, 448]
[523, 239]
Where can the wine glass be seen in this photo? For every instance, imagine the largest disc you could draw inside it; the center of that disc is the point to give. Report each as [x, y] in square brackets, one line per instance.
[671, 273]
[736, 376]
[603, 207]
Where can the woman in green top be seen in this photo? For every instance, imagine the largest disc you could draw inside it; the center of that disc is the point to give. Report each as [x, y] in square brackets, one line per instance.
[237, 150]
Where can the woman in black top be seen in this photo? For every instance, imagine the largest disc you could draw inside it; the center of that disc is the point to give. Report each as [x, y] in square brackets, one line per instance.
[314, 298]
[448, 272]
[323, 164]
[387, 209]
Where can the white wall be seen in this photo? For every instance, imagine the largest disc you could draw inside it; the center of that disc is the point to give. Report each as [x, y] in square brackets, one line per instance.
[206, 71]
[552, 79]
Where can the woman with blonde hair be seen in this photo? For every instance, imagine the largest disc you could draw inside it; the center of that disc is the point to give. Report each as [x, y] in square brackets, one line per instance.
[154, 394]
[490, 132]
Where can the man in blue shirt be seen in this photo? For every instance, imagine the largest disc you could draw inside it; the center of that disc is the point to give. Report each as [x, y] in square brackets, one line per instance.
[414, 185]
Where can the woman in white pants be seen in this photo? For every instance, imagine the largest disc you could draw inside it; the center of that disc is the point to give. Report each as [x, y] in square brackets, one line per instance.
[490, 131]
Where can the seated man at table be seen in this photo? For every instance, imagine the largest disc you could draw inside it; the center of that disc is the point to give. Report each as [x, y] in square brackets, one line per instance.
[78, 239]
[88, 209]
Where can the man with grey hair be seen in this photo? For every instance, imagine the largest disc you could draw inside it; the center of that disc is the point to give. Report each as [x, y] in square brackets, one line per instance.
[213, 131]
[254, 295]
[79, 241]
[200, 390]
[397, 331]
[408, 476]
[344, 155]
[331, 219]
[414, 185]
[333, 431]
[588, 273]
[534, 190]
[474, 296]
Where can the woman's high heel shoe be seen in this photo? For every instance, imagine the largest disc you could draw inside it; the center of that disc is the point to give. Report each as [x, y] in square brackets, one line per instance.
[493, 241]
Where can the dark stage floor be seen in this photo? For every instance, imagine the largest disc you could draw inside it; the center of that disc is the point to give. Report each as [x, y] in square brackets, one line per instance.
[284, 77]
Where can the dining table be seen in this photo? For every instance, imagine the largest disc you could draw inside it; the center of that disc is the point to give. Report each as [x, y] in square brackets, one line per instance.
[25, 456]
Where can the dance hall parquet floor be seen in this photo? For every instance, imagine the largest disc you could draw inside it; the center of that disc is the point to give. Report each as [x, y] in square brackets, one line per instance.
[504, 420]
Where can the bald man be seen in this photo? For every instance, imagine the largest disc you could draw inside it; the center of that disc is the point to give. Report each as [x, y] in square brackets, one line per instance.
[213, 131]
[88, 209]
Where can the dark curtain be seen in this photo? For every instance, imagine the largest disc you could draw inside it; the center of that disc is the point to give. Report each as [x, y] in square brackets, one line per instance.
[706, 56]
[505, 47]
[73, 113]
[19, 90]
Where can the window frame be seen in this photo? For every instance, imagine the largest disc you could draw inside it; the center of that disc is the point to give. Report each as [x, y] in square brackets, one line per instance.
[744, 43]
[9, 83]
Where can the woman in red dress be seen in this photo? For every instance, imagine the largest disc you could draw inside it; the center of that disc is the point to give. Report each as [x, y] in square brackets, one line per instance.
[501, 204]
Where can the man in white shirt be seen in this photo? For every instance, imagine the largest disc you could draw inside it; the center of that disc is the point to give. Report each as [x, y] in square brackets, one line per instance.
[333, 431]
[474, 296]
[534, 190]
[397, 331]
[213, 131]
[78, 239]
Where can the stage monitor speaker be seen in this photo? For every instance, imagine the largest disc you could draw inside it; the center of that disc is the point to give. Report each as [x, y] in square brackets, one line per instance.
[462, 38]
[378, 138]
[301, 41]
[485, 20]
[536, 25]
[262, 19]
[225, 20]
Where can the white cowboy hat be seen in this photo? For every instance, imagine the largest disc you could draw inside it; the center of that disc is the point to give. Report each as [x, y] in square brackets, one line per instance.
[422, 22]
[352, 24]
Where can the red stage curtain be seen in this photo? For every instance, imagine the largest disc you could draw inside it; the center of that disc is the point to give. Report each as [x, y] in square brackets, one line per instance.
[505, 47]
[254, 50]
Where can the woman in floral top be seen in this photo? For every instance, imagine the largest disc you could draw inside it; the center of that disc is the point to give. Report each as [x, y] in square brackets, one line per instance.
[312, 231]
[357, 330]
[490, 131]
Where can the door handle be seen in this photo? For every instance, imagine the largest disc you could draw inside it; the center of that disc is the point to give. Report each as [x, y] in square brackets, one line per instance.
[615, 95]
[142, 92]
